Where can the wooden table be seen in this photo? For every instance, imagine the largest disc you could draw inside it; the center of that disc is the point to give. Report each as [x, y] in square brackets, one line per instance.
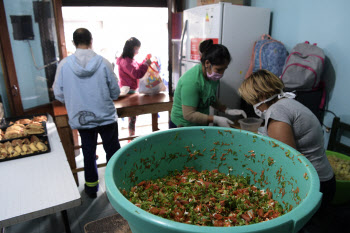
[39, 185]
[126, 106]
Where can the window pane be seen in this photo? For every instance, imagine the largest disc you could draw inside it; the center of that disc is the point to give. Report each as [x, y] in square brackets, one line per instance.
[30, 54]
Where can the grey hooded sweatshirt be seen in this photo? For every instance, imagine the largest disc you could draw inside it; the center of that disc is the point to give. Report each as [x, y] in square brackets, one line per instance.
[87, 85]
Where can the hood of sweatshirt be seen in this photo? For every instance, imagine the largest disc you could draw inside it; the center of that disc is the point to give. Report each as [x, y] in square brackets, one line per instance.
[84, 62]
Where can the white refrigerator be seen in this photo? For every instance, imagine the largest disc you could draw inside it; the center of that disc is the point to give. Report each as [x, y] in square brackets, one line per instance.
[236, 27]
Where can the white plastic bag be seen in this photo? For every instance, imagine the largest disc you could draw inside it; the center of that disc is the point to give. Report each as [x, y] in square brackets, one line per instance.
[151, 83]
[124, 90]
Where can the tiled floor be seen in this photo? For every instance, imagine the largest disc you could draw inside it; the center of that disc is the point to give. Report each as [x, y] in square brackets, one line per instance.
[91, 209]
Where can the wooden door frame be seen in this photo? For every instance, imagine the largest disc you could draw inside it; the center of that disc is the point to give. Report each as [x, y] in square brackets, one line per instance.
[10, 76]
[62, 50]
[4, 70]
[173, 7]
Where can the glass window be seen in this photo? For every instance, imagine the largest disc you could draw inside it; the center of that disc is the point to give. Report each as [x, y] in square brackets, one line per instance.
[31, 55]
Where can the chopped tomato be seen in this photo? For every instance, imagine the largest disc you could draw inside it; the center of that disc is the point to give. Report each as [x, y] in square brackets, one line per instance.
[206, 198]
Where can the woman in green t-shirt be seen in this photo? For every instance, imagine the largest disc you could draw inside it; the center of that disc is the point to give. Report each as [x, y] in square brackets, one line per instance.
[196, 90]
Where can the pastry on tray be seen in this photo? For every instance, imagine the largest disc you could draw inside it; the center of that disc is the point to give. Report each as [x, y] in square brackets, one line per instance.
[11, 152]
[19, 147]
[3, 155]
[3, 151]
[36, 144]
[35, 125]
[23, 121]
[20, 130]
[35, 128]
[40, 118]
[15, 131]
[16, 126]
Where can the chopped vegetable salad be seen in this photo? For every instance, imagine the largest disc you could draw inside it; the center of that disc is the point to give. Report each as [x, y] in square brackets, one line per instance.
[206, 198]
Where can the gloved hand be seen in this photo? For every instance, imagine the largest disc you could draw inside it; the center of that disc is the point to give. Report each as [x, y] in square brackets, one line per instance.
[235, 112]
[222, 121]
[148, 59]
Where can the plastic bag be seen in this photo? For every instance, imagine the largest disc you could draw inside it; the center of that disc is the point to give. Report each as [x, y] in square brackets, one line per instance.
[124, 90]
[151, 83]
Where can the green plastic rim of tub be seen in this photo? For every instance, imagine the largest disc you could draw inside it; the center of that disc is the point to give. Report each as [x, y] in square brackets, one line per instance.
[342, 193]
[154, 155]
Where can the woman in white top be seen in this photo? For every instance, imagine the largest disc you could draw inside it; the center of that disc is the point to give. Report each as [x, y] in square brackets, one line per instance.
[290, 122]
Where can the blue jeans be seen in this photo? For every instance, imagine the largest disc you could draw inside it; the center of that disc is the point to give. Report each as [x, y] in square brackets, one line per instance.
[110, 141]
[172, 125]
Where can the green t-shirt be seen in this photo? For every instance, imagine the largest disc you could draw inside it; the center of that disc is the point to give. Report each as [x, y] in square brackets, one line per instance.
[195, 91]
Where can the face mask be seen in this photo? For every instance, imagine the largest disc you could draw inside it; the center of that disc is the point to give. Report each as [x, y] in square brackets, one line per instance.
[261, 114]
[214, 76]
[258, 112]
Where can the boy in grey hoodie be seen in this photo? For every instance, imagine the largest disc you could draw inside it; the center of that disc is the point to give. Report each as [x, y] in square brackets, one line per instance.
[86, 84]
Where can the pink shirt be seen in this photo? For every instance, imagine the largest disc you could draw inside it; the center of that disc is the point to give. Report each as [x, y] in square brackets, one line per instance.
[130, 71]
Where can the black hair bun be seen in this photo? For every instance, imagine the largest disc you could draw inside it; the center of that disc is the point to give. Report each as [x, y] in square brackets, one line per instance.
[205, 45]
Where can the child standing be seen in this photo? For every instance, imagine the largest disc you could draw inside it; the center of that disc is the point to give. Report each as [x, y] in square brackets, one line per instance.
[130, 71]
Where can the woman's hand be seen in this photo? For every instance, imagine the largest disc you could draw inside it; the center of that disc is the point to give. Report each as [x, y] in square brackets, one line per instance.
[222, 121]
[235, 112]
[148, 59]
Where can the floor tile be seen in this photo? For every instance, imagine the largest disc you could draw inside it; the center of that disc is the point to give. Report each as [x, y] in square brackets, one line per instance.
[32, 226]
[96, 216]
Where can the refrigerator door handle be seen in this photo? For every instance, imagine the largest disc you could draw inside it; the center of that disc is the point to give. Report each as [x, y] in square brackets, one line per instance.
[182, 45]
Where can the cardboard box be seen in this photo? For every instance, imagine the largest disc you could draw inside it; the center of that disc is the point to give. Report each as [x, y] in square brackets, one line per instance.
[206, 2]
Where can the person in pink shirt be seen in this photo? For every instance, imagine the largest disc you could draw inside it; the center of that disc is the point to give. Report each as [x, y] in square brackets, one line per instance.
[130, 71]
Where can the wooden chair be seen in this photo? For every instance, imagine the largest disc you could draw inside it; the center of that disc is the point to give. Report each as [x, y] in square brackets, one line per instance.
[339, 129]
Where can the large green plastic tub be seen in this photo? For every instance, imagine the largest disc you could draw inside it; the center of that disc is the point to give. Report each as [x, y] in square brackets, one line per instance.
[342, 194]
[153, 156]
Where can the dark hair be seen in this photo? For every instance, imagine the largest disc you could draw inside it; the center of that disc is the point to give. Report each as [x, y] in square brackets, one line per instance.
[82, 36]
[216, 54]
[128, 50]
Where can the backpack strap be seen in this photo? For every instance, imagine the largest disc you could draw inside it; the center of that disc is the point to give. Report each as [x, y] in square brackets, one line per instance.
[323, 99]
[264, 36]
[251, 66]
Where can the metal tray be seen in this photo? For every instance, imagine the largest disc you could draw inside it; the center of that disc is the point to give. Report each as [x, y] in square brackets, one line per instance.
[43, 139]
[8, 120]
[41, 134]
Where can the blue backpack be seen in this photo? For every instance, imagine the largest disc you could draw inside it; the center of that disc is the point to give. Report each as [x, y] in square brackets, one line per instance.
[268, 54]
